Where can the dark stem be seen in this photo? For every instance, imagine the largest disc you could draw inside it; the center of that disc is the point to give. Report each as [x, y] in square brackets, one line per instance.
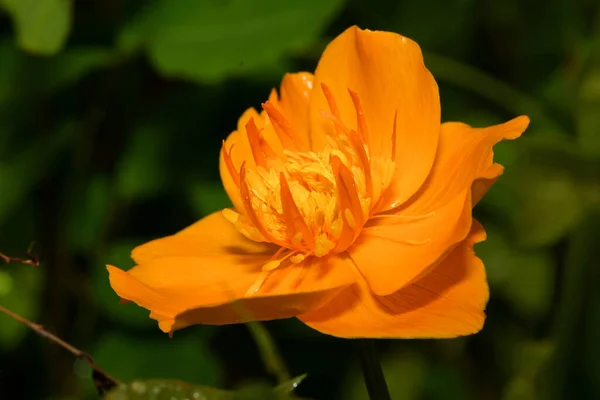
[372, 372]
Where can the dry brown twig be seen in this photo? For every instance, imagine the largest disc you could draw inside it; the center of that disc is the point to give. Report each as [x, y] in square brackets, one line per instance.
[102, 380]
[32, 259]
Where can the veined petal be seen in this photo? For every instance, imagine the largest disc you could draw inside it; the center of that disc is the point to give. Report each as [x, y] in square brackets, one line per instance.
[210, 235]
[447, 302]
[440, 211]
[211, 265]
[394, 251]
[386, 72]
[465, 155]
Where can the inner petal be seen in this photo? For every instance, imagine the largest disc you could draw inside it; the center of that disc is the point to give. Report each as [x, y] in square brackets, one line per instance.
[311, 203]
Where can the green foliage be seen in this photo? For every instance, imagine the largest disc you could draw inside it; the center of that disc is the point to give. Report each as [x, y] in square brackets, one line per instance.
[23, 77]
[214, 40]
[20, 172]
[13, 283]
[41, 26]
[525, 276]
[141, 169]
[178, 390]
[111, 120]
[404, 373]
[127, 357]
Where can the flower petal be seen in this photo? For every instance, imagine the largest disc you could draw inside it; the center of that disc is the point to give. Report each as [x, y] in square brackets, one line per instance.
[212, 235]
[387, 73]
[211, 265]
[440, 211]
[237, 142]
[447, 302]
[293, 104]
[394, 251]
[465, 155]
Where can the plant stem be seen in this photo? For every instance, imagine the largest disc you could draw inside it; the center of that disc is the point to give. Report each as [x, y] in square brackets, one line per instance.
[372, 372]
[268, 351]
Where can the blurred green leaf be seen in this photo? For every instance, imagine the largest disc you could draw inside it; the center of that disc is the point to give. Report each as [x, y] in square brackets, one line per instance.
[444, 382]
[207, 197]
[141, 171]
[490, 88]
[289, 386]
[42, 26]
[592, 333]
[134, 357]
[578, 293]
[20, 172]
[68, 67]
[20, 290]
[404, 374]
[588, 117]
[163, 389]
[105, 298]
[408, 17]
[544, 192]
[525, 277]
[11, 63]
[89, 214]
[22, 76]
[529, 358]
[550, 206]
[212, 40]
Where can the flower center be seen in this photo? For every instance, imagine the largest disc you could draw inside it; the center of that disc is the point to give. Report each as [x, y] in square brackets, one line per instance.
[309, 203]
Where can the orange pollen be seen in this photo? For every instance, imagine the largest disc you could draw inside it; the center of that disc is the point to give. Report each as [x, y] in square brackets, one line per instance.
[310, 203]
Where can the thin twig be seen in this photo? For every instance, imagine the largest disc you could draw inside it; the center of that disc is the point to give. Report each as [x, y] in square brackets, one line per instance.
[31, 259]
[103, 380]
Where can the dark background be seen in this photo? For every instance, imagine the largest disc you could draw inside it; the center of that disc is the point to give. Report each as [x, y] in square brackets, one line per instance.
[112, 114]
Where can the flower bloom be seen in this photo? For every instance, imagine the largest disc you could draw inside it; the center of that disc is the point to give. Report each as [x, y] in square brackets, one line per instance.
[352, 208]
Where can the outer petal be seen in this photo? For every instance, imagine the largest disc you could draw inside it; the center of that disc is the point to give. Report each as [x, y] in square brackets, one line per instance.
[293, 103]
[439, 215]
[448, 302]
[211, 265]
[393, 254]
[386, 70]
[465, 155]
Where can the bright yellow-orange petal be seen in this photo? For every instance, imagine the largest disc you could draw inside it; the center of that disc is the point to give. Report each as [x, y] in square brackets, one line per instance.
[386, 72]
[242, 151]
[440, 211]
[210, 264]
[394, 251]
[250, 309]
[465, 155]
[210, 235]
[295, 93]
[447, 302]
[212, 288]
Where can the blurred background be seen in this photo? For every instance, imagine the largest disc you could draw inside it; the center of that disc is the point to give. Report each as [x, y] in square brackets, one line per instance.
[112, 114]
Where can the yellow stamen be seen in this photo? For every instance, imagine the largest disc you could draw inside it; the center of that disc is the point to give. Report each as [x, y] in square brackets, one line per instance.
[309, 203]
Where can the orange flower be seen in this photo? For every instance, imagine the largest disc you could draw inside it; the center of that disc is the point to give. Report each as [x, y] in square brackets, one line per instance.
[353, 208]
